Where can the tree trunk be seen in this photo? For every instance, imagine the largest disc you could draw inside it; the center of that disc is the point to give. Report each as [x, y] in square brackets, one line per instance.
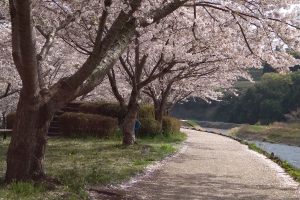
[21, 147]
[27, 147]
[128, 125]
[160, 110]
[158, 114]
[37, 167]
[130, 119]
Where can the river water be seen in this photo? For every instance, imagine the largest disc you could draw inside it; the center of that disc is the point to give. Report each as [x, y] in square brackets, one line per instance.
[291, 154]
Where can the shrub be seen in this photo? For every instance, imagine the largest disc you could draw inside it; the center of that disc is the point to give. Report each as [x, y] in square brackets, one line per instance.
[104, 108]
[170, 125]
[10, 119]
[149, 127]
[270, 111]
[81, 124]
[147, 111]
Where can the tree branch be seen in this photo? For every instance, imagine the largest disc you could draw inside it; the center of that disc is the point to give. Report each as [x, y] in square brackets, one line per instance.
[114, 87]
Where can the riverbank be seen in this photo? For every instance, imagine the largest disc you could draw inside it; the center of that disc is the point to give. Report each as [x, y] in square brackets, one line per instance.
[76, 163]
[283, 133]
[290, 169]
[279, 141]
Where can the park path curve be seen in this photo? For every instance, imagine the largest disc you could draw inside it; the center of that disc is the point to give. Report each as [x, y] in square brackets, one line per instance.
[215, 167]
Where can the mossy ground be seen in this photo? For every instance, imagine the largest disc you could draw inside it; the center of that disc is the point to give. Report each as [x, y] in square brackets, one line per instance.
[79, 162]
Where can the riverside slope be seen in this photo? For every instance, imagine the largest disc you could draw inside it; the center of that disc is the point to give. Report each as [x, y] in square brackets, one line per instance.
[215, 167]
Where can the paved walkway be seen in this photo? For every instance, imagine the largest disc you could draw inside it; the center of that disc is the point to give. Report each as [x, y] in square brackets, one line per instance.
[216, 167]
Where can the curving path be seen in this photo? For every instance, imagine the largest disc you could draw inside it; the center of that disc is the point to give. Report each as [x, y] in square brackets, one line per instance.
[215, 167]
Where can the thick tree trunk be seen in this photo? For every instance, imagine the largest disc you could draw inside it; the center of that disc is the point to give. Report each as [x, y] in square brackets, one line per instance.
[130, 119]
[128, 125]
[21, 148]
[27, 148]
[37, 164]
[159, 115]
[37, 167]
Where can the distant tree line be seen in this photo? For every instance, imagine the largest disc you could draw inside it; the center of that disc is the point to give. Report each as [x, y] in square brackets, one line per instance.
[265, 102]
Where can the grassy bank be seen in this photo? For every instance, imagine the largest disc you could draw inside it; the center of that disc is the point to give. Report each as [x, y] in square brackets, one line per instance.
[284, 133]
[293, 172]
[76, 163]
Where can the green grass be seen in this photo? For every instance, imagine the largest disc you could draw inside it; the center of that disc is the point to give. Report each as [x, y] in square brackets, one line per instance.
[292, 171]
[285, 133]
[79, 162]
[257, 128]
[254, 147]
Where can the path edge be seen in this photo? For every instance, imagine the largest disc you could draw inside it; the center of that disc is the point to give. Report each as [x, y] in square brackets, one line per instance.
[273, 162]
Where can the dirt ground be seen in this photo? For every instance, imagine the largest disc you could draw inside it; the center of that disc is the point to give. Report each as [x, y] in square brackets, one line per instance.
[211, 167]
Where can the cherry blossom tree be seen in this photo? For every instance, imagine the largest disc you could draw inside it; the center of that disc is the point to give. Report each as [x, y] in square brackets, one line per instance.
[116, 23]
[207, 61]
[139, 66]
[100, 31]
[155, 56]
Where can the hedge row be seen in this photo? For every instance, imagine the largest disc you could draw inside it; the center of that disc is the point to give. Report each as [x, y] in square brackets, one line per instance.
[98, 119]
[81, 124]
[115, 110]
[104, 108]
